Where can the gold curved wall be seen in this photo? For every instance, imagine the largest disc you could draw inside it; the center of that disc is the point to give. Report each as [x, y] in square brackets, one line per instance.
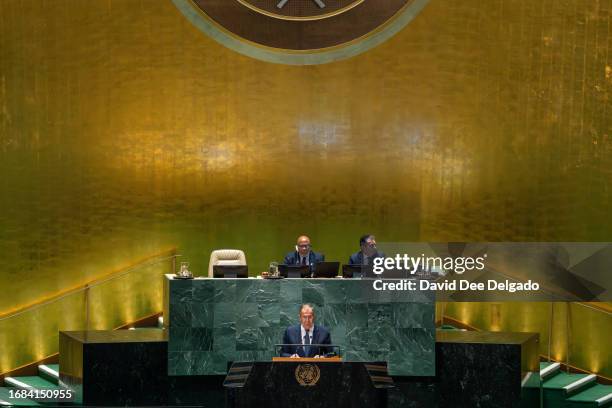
[124, 130]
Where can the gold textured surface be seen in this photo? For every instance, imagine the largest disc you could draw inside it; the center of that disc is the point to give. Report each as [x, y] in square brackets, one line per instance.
[124, 130]
[127, 298]
[71, 357]
[32, 334]
[590, 333]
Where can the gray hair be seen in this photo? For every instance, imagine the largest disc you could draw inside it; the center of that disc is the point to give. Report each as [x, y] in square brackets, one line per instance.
[307, 305]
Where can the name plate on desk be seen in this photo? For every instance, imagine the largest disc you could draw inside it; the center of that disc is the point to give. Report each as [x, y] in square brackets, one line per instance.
[212, 322]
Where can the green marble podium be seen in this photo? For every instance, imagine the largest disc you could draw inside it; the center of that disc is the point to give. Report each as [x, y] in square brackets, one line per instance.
[212, 322]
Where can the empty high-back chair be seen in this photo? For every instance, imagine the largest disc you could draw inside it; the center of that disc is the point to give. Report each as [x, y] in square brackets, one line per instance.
[225, 257]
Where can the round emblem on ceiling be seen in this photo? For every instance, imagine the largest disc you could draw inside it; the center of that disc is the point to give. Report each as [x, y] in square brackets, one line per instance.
[300, 10]
[300, 32]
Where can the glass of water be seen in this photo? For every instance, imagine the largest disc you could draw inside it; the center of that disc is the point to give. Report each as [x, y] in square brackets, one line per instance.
[273, 270]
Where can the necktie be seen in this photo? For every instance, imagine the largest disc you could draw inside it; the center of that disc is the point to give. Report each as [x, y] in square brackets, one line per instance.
[304, 260]
[306, 342]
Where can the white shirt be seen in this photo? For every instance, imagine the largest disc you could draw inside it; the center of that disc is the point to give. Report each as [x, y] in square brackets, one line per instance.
[310, 333]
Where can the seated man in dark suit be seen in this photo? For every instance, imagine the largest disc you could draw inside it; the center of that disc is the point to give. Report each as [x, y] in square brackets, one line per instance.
[304, 334]
[367, 252]
[303, 255]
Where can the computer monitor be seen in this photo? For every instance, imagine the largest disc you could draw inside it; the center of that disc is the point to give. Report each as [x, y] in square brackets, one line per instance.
[230, 271]
[294, 271]
[326, 270]
[356, 271]
[395, 274]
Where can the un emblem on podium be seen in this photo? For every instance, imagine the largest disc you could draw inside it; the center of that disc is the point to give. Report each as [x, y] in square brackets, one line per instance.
[307, 375]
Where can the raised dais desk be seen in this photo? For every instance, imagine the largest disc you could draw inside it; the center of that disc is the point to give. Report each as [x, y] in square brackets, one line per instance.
[213, 322]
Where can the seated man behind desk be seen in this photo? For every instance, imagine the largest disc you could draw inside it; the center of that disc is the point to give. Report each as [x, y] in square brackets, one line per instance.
[304, 334]
[367, 252]
[303, 255]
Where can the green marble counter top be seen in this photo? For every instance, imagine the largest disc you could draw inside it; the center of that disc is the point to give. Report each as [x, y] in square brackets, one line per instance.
[215, 321]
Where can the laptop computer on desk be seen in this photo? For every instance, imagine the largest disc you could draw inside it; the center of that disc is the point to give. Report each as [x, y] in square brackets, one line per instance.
[326, 270]
[230, 271]
[294, 271]
[358, 271]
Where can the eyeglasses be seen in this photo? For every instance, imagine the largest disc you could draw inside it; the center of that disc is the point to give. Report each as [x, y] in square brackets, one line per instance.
[304, 246]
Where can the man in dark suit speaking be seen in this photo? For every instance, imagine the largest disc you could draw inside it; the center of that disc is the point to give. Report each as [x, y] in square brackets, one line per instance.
[297, 339]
